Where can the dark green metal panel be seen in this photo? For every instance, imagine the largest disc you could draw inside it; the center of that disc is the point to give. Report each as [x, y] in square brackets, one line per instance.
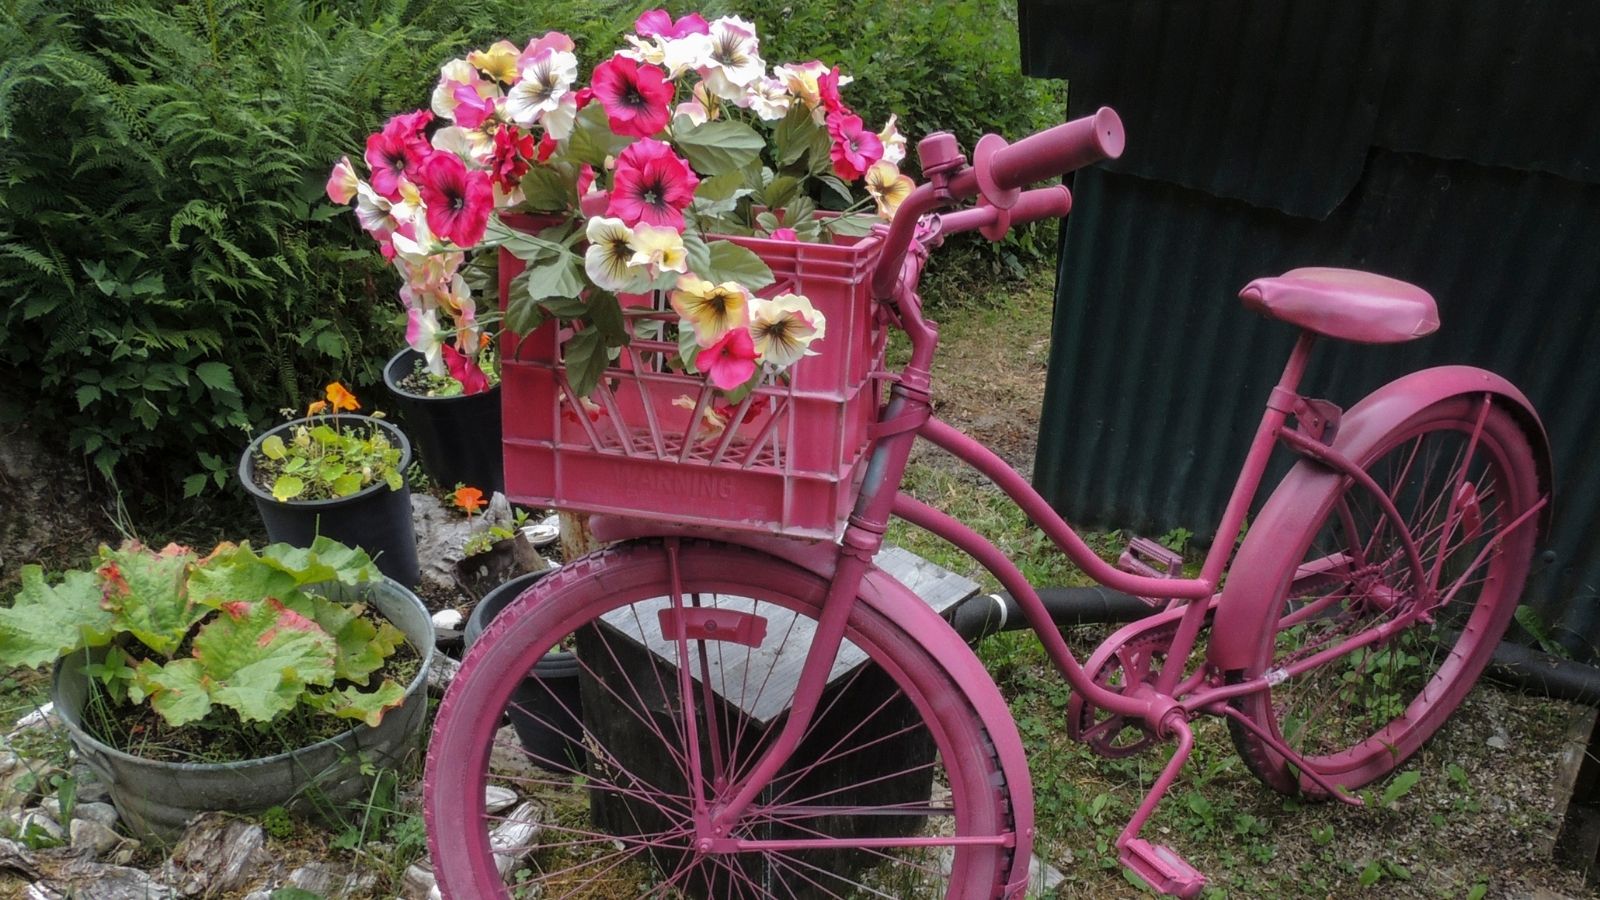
[1468, 127]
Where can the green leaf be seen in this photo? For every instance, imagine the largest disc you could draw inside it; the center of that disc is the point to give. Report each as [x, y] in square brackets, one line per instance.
[719, 147]
[87, 394]
[523, 314]
[259, 658]
[779, 191]
[273, 448]
[561, 278]
[606, 314]
[565, 307]
[697, 254]
[1371, 874]
[325, 560]
[720, 187]
[362, 645]
[688, 349]
[194, 484]
[366, 706]
[346, 484]
[585, 357]
[853, 225]
[217, 376]
[177, 690]
[45, 623]
[1399, 787]
[149, 595]
[287, 487]
[592, 139]
[731, 262]
[793, 134]
[547, 189]
[839, 189]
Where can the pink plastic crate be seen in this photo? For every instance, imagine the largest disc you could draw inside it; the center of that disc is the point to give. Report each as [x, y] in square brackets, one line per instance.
[789, 459]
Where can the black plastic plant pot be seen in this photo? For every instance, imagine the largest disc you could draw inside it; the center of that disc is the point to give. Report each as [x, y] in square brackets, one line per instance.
[458, 438]
[375, 518]
[546, 708]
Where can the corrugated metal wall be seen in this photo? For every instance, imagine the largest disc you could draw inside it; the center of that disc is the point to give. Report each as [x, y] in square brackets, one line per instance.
[1448, 143]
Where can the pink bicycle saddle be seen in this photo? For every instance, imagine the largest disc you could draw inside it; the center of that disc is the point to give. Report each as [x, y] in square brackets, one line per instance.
[1346, 304]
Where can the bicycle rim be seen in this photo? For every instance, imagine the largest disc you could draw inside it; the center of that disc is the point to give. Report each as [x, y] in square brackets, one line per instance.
[1460, 487]
[894, 757]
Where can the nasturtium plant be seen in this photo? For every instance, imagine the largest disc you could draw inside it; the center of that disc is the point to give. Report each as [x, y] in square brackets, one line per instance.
[237, 629]
[328, 456]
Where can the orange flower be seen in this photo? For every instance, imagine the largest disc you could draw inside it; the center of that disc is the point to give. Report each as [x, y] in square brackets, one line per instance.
[339, 397]
[317, 407]
[469, 499]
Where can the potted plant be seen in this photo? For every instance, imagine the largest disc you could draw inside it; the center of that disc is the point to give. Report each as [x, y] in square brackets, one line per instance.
[454, 422]
[658, 217]
[238, 681]
[546, 708]
[338, 475]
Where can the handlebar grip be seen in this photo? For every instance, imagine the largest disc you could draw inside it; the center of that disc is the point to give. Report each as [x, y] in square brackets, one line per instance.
[1003, 169]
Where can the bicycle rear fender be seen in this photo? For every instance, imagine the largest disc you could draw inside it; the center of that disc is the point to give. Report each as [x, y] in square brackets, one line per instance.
[1253, 588]
[899, 604]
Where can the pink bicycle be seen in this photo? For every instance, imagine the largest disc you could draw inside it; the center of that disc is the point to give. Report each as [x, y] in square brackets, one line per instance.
[759, 715]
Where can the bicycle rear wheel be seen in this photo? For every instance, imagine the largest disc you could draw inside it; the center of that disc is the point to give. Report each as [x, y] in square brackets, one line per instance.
[895, 764]
[1462, 489]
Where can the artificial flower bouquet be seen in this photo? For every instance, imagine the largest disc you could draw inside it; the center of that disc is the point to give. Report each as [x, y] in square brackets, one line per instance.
[681, 138]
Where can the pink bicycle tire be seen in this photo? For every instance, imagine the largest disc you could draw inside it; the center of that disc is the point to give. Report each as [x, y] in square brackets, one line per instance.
[1358, 717]
[572, 602]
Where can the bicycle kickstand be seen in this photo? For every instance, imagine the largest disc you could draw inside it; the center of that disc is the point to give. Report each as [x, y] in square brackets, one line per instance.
[1157, 864]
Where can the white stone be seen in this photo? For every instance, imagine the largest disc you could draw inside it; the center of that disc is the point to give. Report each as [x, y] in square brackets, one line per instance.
[87, 834]
[513, 839]
[449, 619]
[497, 798]
[217, 854]
[44, 715]
[37, 821]
[104, 813]
[418, 884]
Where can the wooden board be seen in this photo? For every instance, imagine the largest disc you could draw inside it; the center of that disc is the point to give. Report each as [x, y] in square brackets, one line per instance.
[777, 662]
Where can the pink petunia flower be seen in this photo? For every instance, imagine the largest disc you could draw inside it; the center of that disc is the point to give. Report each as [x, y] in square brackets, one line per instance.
[465, 370]
[458, 201]
[854, 148]
[638, 99]
[511, 155]
[652, 185]
[396, 152]
[784, 234]
[342, 182]
[659, 23]
[472, 108]
[828, 92]
[730, 361]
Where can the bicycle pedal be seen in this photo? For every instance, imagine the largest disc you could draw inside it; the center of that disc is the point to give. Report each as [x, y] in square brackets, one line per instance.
[1162, 868]
[1152, 560]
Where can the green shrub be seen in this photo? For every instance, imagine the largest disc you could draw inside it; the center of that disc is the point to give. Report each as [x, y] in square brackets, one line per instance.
[172, 275]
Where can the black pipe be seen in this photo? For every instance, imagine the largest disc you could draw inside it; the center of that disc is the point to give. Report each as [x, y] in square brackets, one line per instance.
[1540, 673]
[985, 614]
[1512, 664]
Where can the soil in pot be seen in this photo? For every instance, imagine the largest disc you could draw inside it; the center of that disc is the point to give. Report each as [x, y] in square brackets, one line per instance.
[457, 437]
[546, 708]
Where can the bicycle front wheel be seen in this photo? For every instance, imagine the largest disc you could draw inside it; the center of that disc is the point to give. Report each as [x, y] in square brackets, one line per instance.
[1462, 475]
[895, 790]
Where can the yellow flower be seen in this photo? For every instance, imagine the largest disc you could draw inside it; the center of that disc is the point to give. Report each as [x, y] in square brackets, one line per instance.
[888, 187]
[712, 309]
[498, 62]
[658, 247]
[784, 328]
[711, 424]
[608, 258]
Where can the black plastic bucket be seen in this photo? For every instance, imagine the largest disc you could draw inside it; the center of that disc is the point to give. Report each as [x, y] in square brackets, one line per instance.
[546, 707]
[375, 518]
[457, 438]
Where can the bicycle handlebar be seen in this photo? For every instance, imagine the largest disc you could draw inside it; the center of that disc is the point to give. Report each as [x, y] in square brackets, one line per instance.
[1056, 151]
[1051, 202]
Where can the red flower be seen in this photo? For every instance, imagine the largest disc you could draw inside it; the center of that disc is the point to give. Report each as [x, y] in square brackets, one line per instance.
[398, 151]
[547, 146]
[828, 90]
[469, 499]
[511, 155]
[638, 99]
[458, 201]
[652, 185]
[730, 361]
[854, 148]
[466, 371]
